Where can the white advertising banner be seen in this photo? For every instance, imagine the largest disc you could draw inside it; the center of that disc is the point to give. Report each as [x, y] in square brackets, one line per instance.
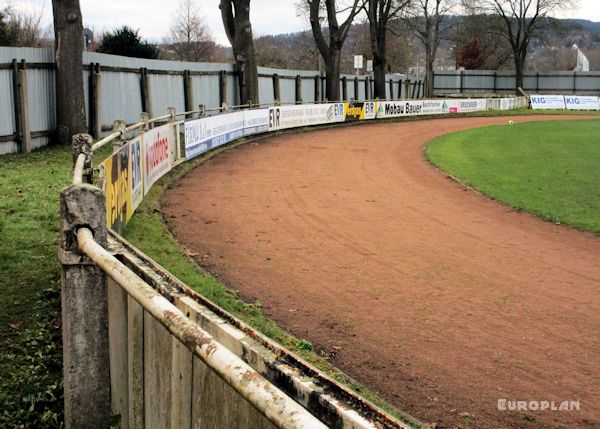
[282, 117]
[394, 109]
[467, 105]
[540, 102]
[581, 103]
[256, 121]
[204, 134]
[157, 154]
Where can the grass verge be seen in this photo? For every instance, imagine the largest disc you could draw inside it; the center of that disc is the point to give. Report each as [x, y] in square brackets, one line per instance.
[30, 337]
[547, 168]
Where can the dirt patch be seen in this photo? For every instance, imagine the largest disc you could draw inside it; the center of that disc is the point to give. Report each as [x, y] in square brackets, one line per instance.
[436, 297]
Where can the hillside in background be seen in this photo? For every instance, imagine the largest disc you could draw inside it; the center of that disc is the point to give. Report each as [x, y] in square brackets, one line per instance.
[552, 50]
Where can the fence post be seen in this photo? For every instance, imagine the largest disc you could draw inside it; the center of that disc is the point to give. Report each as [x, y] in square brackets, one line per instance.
[391, 88]
[407, 88]
[298, 89]
[276, 92]
[222, 88]
[574, 82]
[84, 305]
[399, 88]
[145, 87]
[188, 92]
[356, 91]
[462, 82]
[94, 100]
[317, 88]
[21, 111]
[367, 92]
[495, 80]
[344, 89]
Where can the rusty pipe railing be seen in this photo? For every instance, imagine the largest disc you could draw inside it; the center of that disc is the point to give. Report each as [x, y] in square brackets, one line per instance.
[281, 410]
[78, 169]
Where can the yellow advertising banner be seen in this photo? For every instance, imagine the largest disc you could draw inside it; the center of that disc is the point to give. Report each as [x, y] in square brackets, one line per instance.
[360, 111]
[117, 188]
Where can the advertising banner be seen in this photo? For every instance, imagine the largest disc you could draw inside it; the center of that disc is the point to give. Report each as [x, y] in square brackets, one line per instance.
[282, 117]
[395, 109]
[207, 133]
[467, 105]
[157, 154]
[117, 188]
[136, 182]
[539, 102]
[256, 121]
[581, 103]
[359, 111]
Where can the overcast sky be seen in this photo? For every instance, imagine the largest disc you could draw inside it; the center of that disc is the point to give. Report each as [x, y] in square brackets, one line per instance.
[153, 17]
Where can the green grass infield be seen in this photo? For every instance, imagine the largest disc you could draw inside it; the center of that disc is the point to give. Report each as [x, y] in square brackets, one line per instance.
[550, 169]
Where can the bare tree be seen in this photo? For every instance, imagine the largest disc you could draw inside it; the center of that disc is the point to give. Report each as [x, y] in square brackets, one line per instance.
[68, 33]
[190, 39]
[236, 20]
[19, 28]
[428, 19]
[495, 49]
[331, 47]
[521, 20]
[379, 13]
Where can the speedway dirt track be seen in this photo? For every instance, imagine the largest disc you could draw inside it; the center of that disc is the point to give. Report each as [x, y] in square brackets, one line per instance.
[427, 292]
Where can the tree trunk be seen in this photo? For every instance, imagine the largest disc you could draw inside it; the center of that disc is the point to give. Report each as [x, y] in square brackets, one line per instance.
[245, 57]
[332, 80]
[68, 33]
[378, 42]
[428, 87]
[379, 66]
[239, 32]
[519, 71]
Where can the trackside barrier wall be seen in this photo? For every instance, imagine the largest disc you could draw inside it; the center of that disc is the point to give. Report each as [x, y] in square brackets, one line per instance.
[140, 347]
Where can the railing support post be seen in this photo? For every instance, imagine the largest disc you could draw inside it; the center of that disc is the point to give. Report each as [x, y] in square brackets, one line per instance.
[119, 142]
[344, 89]
[84, 306]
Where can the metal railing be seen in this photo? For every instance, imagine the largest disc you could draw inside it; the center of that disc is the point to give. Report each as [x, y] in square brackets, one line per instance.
[268, 399]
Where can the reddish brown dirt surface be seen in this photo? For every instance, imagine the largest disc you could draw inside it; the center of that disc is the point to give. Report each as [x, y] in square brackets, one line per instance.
[429, 293]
